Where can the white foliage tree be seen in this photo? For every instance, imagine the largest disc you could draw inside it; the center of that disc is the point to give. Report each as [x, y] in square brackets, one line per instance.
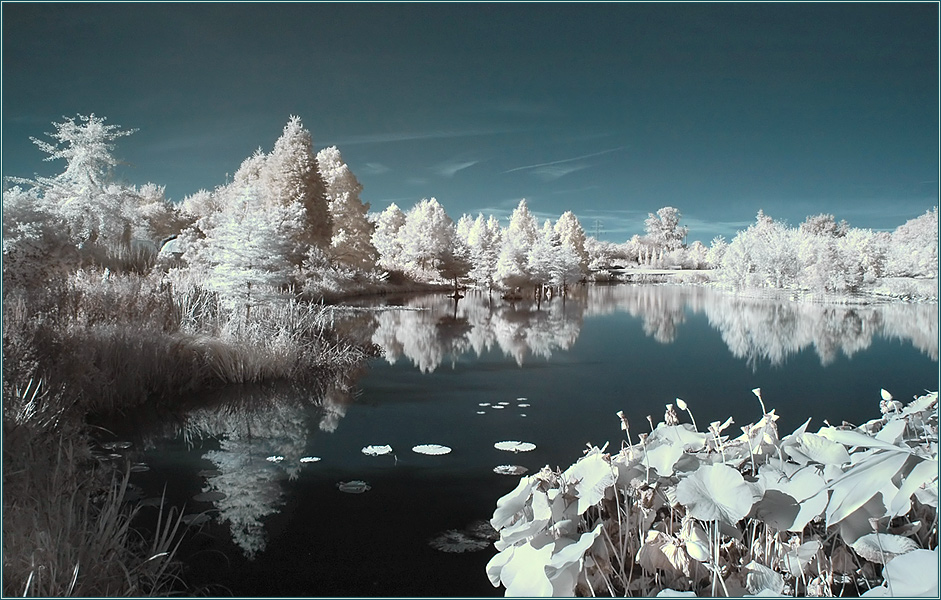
[664, 230]
[914, 247]
[484, 238]
[386, 239]
[426, 235]
[572, 235]
[350, 243]
[518, 238]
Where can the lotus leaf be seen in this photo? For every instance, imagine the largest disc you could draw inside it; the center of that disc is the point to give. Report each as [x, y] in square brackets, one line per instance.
[590, 476]
[861, 482]
[777, 509]
[762, 579]
[522, 570]
[509, 470]
[377, 450]
[515, 446]
[883, 547]
[671, 593]
[683, 436]
[568, 552]
[914, 575]
[310, 459]
[512, 503]
[797, 559]
[663, 457]
[892, 431]
[663, 552]
[431, 449]
[354, 487]
[921, 473]
[819, 449]
[850, 437]
[715, 492]
[530, 525]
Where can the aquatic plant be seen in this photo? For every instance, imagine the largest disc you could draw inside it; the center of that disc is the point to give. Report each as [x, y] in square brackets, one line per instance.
[515, 446]
[692, 513]
[354, 487]
[431, 449]
[377, 450]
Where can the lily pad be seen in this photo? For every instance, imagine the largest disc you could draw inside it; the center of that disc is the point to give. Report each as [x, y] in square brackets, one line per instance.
[453, 540]
[498, 406]
[523, 405]
[431, 449]
[377, 450]
[515, 446]
[310, 459]
[354, 487]
[715, 492]
[212, 496]
[883, 547]
[481, 412]
[483, 404]
[509, 470]
[275, 459]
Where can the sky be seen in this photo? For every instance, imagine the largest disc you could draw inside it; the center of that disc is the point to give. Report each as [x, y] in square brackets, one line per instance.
[610, 110]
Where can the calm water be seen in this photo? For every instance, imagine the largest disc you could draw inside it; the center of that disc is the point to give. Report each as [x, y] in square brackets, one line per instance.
[562, 370]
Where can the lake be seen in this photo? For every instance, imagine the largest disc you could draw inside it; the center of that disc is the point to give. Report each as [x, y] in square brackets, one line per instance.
[469, 374]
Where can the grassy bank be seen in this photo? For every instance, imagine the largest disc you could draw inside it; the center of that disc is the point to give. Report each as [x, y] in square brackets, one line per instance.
[101, 342]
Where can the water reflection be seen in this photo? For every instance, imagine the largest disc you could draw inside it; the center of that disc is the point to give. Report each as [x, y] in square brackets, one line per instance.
[434, 329]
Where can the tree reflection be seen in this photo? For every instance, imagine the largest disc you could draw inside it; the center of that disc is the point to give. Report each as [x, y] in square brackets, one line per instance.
[428, 330]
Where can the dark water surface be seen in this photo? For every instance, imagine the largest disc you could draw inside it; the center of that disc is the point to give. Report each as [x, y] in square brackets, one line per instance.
[285, 529]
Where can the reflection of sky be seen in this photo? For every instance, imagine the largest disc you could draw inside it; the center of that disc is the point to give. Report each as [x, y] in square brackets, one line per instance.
[608, 110]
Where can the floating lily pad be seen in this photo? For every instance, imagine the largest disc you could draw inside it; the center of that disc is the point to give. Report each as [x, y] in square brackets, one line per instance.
[453, 540]
[354, 487]
[503, 403]
[521, 399]
[498, 406]
[523, 405]
[481, 412]
[377, 450]
[515, 446]
[212, 496]
[275, 459]
[310, 459]
[431, 449]
[483, 404]
[195, 519]
[509, 470]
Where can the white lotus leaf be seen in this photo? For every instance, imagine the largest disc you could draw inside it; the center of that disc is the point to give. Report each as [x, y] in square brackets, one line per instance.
[850, 437]
[515, 446]
[861, 482]
[715, 492]
[663, 457]
[660, 551]
[590, 476]
[915, 575]
[310, 459]
[821, 450]
[568, 552]
[921, 473]
[354, 487]
[512, 503]
[671, 593]
[563, 580]
[683, 436]
[928, 495]
[920, 404]
[762, 579]
[509, 470]
[797, 560]
[883, 547]
[523, 571]
[431, 449]
[892, 431]
[777, 509]
[525, 528]
[696, 541]
[859, 522]
[377, 450]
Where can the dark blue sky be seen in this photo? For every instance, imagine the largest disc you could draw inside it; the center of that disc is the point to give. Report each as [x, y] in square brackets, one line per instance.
[608, 110]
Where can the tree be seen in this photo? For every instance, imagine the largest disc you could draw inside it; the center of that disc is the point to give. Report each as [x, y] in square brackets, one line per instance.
[663, 229]
[386, 237]
[824, 224]
[716, 251]
[914, 247]
[484, 239]
[249, 250]
[571, 234]
[291, 177]
[426, 235]
[350, 242]
[512, 269]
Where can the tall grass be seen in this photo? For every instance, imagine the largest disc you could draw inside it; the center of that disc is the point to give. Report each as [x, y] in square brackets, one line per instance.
[66, 528]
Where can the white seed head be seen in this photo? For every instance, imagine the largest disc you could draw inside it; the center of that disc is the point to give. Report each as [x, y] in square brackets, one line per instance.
[681, 403]
[886, 395]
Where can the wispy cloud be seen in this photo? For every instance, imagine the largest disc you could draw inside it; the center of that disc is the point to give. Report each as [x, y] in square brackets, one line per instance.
[407, 136]
[545, 169]
[451, 167]
[374, 168]
[557, 171]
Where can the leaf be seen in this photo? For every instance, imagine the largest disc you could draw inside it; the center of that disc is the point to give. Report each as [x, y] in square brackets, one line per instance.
[512, 503]
[849, 437]
[821, 450]
[760, 579]
[715, 492]
[883, 547]
[431, 449]
[509, 470]
[797, 559]
[922, 473]
[523, 572]
[861, 482]
[663, 457]
[377, 450]
[568, 552]
[590, 476]
[683, 436]
[892, 431]
[515, 446]
[777, 509]
[354, 487]
[915, 575]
